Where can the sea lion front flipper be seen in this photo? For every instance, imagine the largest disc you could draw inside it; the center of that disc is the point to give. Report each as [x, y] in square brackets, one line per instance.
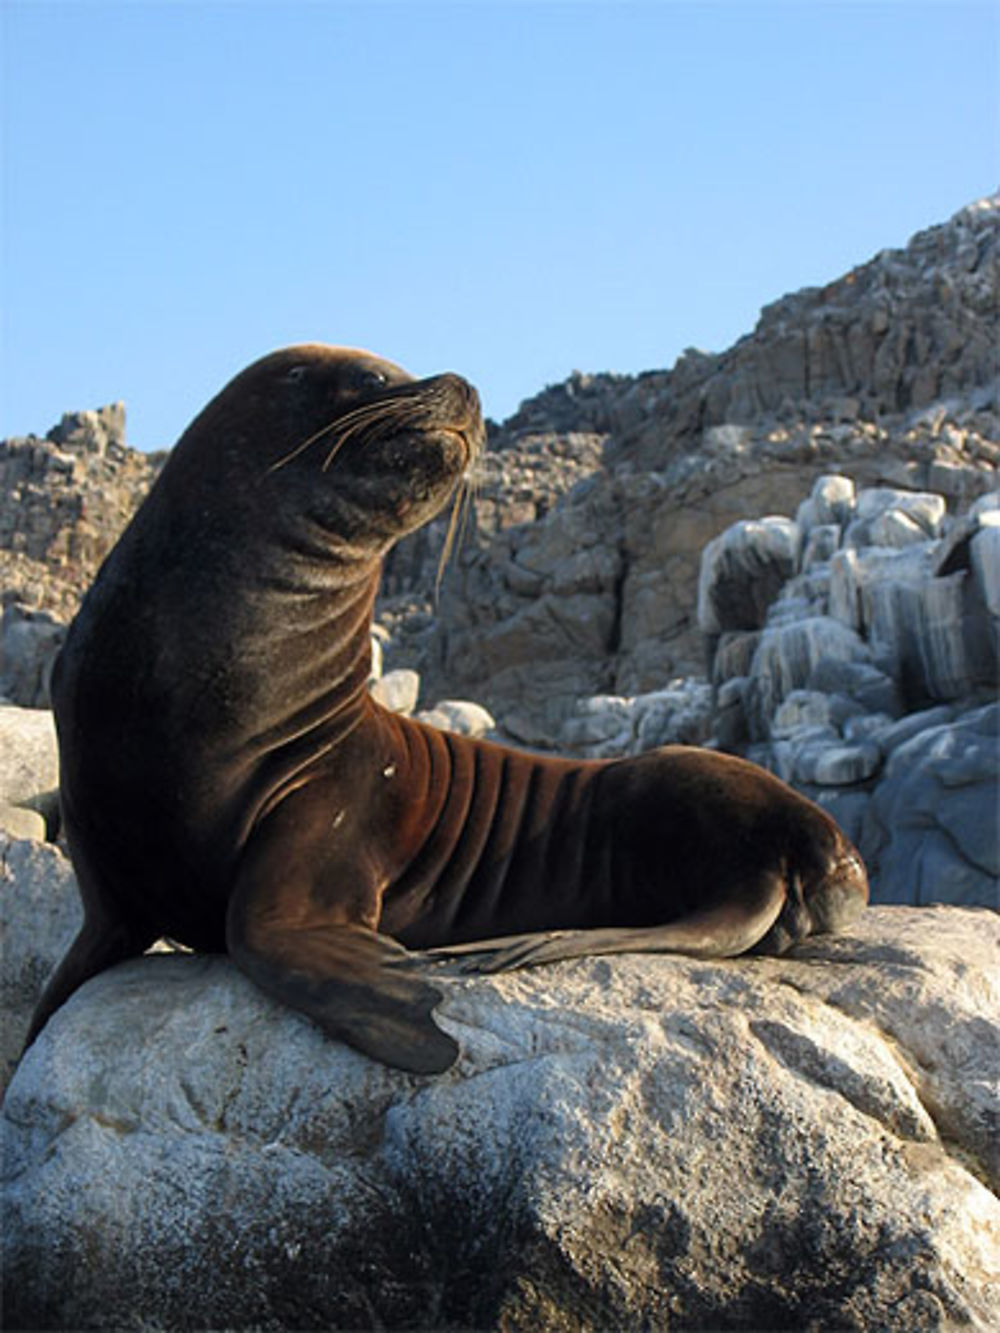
[358, 986]
[723, 931]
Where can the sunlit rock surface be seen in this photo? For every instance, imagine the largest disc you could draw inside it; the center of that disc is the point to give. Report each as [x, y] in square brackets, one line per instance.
[808, 1142]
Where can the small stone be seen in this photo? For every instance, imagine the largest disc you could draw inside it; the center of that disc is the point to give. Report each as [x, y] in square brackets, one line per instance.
[397, 690]
[16, 822]
[843, 765]
[459, 715]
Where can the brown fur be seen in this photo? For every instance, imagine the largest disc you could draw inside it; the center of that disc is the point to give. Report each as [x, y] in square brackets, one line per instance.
[228, 782]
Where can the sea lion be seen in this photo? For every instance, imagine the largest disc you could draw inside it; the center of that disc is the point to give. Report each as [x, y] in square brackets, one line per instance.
[228, 782]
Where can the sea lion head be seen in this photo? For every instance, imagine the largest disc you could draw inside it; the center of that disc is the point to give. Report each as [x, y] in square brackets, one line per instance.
[342, 439]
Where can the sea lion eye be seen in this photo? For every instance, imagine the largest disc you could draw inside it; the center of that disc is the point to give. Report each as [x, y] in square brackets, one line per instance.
[373, 379]
[294, 375]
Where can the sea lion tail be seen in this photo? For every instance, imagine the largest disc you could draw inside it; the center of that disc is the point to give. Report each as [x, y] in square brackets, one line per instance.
[102, 941]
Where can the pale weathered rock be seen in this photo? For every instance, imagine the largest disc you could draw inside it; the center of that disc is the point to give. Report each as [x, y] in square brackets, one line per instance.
[788, 655]
[922, 511]
[810, 708]
[611, 726]
[460, 715]
[643, 1142]
[840, 765]
[742, 572]
[831, 503]
[895, 527]
[985, 552]
[922, 627]
[821, 544]
[29, 761]
[39, 915]
[870, 688]
[397, 690]
[17, 822]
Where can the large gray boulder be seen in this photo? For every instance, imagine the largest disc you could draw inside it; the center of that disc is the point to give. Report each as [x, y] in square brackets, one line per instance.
[39, 915]
[932, 831]
[648, 1142]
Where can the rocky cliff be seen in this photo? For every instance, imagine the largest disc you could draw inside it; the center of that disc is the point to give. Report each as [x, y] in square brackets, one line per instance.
[887, 376]
[64, 500]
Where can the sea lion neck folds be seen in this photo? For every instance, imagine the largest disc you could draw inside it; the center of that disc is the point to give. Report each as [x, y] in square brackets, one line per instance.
[227, 780]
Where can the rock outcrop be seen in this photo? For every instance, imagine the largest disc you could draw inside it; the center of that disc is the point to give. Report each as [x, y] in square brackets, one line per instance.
[854, 652]
[887, 376]
[66, 499]
[808, 1142]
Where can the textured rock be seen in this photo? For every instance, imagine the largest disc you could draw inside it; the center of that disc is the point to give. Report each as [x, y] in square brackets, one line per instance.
[985, 553]
[932, 831]
[742, 572]
[29, 761]
[39, 915]
[644, 1142]
[461, 715]
[787, 657]
[904, 516]
[397, 690]
[65, 499]
[17, 822]
[831, 503]
[924, 628]
[849, 644]
[29, 642]
[610, 726]
[827, 383]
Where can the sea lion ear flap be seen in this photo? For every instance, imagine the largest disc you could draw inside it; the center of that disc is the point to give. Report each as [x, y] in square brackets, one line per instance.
[359, 987]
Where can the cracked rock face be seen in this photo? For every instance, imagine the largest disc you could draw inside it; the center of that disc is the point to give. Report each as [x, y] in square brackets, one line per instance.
[657, 1142]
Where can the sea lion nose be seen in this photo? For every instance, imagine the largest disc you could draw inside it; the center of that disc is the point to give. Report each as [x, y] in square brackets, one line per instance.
[458, 396]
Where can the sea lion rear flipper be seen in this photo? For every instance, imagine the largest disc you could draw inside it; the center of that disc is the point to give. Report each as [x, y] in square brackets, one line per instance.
[358, 986]
[723, 931]
[102, 941]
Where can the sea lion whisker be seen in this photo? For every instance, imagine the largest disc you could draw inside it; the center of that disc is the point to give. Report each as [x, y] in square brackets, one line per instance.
[449, 540]
[301, 448]
[367, 412]
[358, 424]
[468, 503]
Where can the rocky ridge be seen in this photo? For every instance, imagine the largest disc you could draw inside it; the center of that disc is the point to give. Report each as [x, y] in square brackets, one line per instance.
[888, 376]
[66, 499]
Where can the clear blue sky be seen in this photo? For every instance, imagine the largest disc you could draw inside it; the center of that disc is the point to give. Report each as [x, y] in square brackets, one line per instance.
[510, 190]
